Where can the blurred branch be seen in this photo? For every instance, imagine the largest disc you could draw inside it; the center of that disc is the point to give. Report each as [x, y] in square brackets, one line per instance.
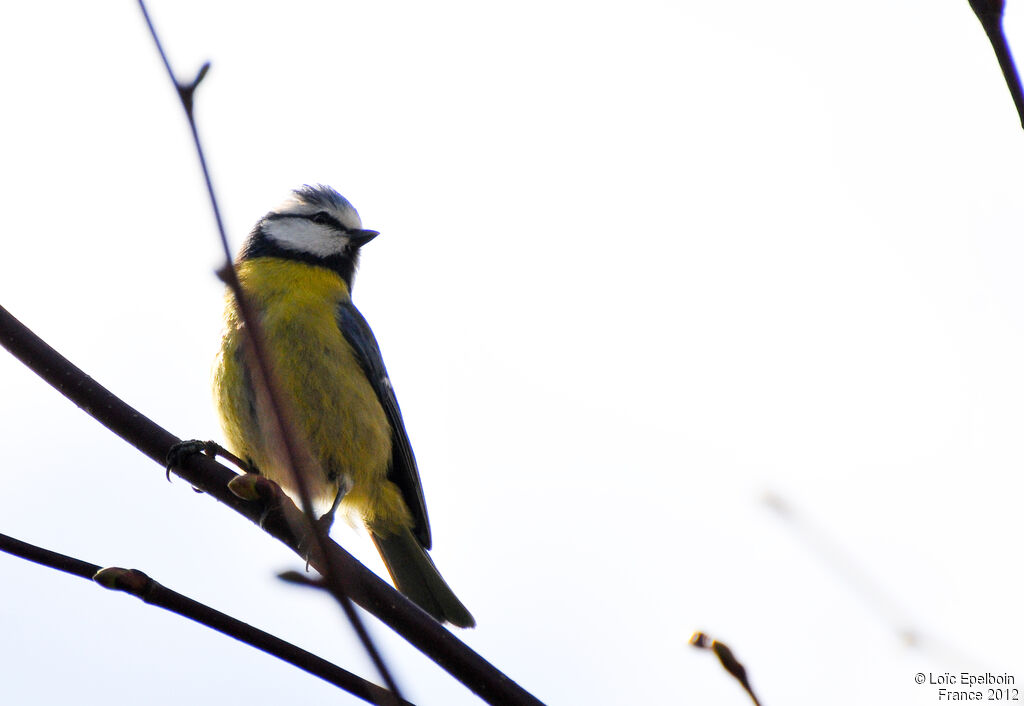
[149, 591]
[283, 523]
[728, 660]
[990, 14]
[875, 596]
[840, 561]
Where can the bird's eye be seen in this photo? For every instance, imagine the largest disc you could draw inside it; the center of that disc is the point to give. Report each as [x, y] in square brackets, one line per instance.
[322, 217]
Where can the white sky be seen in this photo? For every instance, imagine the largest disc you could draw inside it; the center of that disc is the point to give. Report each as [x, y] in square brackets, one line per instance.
[641, 264]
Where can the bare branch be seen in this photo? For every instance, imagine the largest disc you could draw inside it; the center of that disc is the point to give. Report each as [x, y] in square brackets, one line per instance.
[876, 596]
[728, 660]
[335, 580]
[140, 585]
[990, 14]
[367, 589]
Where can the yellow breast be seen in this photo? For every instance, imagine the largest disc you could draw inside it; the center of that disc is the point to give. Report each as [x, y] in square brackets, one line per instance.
[333, 406]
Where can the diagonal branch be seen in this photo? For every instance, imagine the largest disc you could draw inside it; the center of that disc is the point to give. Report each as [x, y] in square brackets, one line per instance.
[146, 589]
[367, 589]
[728, 661]
[990, 14]
[335, 580]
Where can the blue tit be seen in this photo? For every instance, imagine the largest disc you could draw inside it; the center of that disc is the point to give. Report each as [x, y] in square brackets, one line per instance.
[296, 267]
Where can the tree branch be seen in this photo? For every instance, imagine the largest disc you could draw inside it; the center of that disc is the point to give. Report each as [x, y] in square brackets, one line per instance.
[335, 580]
[990, 14]
[149, 591]
[728, 661]
[368, 590]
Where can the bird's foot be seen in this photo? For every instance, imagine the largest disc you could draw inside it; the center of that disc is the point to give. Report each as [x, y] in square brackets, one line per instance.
[326, 521]
[308, 544]
[183, 449]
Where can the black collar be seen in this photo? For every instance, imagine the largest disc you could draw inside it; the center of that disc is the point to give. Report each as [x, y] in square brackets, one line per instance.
[259, 245]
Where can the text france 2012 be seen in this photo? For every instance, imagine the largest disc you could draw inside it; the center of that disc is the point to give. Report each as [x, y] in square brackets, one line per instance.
[970, 686]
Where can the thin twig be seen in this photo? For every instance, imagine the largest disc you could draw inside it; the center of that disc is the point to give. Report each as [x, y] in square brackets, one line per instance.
[727, 659]
[839, 560]
[990, 14]
[264, 373]
[138, 584]
[873, 594]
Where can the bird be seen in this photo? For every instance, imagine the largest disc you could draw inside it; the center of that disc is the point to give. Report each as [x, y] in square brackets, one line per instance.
[296, 270]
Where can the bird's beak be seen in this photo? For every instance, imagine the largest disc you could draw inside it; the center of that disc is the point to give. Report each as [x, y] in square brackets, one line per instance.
[359, 238]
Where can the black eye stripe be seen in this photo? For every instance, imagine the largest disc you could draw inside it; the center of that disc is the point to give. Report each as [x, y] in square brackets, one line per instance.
[320, 217]
[324, 218]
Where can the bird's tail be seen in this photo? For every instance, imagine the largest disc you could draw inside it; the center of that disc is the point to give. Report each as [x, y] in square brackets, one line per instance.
[415, 575]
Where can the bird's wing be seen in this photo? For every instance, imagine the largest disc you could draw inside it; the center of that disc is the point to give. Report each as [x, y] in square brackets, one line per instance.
[403, 471]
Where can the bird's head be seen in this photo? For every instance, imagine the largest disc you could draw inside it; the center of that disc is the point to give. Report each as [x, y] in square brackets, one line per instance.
[315, 224]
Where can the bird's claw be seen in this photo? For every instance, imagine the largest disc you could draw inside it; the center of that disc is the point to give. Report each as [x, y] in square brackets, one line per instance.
[183, 449]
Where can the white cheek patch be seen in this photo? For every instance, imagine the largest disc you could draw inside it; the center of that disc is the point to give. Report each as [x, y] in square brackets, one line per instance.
[302, 235]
